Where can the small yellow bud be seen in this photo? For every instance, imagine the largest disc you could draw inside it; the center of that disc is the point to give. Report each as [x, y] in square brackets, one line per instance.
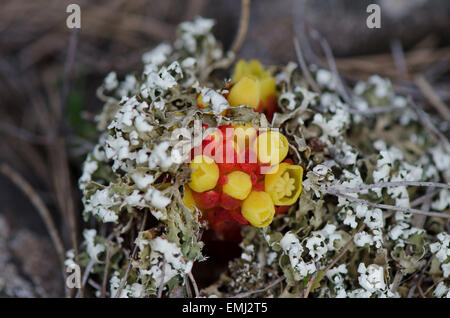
[238, 185]
[240, 70]
[246, 92]
[188, 199]
[254, 67]
[258, 209]
[243, 68]
[271, 147]
[200, 102]
[204, 175]
[285, 185]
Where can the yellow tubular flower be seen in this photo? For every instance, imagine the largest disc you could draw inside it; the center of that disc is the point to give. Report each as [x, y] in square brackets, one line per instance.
[240, 70]
[204, 175]
[253, 67]
[238, 185]
[188, 199]
[246, 92]
[268, 88]
[285, 185]
[271, 147]
[258, 209]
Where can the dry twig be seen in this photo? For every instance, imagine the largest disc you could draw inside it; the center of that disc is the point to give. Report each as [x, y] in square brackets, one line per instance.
[428, 125]
[130, 259]
[336, 259]
[332, 65]
[105, 274]
[20, 182]
[84, 280]
[424, 198]
[194, 283]
[305, 70]
[432, 286]
[399, 57]
[396, 282]
[345, 249]
[243, 26]
[163, 274]
[274, 283]
[22, 134]
[419, 220]
[310, 284]
[433, 98]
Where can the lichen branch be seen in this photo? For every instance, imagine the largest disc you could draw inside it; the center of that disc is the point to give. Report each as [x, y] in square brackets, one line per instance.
[387, 206]
[391, 184]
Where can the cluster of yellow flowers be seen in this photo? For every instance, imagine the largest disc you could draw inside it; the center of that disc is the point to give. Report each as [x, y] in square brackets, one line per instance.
[245, 191]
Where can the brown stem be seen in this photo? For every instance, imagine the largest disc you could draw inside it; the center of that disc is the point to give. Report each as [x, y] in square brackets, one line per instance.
[243, 26]
[20, 182]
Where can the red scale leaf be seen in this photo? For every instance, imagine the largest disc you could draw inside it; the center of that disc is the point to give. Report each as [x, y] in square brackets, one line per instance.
[236, 214]
[228, 202]
[282, 209]
[206, 200]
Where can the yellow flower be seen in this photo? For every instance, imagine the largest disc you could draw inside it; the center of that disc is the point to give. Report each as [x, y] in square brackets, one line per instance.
[258, 209]
[285, 185]
[188, 199]
[271, 147]
[204, 175]
[200, 102]
[253, 67]
[246, 92]
[238, 185]
[252, 84]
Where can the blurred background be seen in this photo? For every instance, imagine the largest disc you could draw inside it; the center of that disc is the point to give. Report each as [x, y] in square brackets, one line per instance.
[49, 74]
